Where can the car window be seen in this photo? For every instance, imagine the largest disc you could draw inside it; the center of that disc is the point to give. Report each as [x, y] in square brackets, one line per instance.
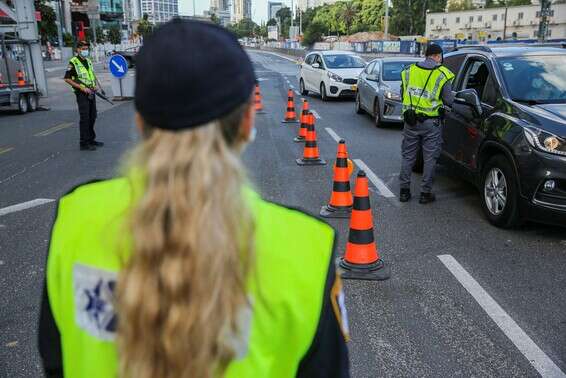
[392, 70]
[369, 67]
[310, 59]
[318, 60]
[376, 69]
[343, 61]
[476, 76]
[454, 62]
[535, 78]
[490, 92]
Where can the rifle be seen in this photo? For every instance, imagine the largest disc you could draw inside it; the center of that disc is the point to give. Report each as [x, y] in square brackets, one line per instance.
[102, 96]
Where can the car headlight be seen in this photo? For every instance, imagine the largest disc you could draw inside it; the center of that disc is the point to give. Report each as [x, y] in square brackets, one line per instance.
[545, 141]
[391, 95]
[333, 76]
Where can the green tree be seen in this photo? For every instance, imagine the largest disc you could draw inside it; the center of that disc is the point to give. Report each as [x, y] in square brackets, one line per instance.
[313, 33]
[244, 28]
[369, 16]
[284, 16]
[408, 17]
[47, 26]
[114, 35]
[459, 5]
[145, 27]
[100, 37]
[68, 40]
[349, 11]
[272, 22]
[214, 18]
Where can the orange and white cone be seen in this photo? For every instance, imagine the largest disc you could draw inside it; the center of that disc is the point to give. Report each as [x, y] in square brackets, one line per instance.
[311, 155]
[305, 119]
[340, 205]
[361, 260]
[290, 114]
[257, 100]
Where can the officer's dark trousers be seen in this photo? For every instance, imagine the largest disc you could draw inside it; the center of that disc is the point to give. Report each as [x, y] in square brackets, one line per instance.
[427, 136]
[87, 112]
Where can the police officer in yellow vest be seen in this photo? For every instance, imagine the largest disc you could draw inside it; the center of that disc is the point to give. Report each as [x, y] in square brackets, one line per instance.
[426, 91]
[178, 268]
[80, 75]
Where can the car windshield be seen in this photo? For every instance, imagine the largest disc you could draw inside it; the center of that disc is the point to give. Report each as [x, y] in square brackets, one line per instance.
[536, 79]
[343, 61]
[392, 70]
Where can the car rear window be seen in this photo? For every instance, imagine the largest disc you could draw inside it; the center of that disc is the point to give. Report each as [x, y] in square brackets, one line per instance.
[392, 70]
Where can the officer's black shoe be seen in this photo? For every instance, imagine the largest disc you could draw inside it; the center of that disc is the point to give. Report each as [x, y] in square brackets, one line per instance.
[427, 198]
[87, 147]
[405, 195]
[97, 144]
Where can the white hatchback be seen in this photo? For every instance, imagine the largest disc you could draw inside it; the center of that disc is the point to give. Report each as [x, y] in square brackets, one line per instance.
[330, 73]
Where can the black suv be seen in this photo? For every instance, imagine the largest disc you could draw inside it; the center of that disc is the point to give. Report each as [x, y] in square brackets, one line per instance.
[506, 132]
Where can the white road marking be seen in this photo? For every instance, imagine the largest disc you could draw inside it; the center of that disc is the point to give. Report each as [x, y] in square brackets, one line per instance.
[280, 56]
[383, 189]
[333, 134]
[298, 93]
[54, 69]
[540, 361]
[315, 114]
[24, 206]
[290, 85]
[54, 129]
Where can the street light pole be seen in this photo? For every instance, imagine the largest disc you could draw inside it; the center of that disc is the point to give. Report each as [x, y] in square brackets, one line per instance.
[194, 9]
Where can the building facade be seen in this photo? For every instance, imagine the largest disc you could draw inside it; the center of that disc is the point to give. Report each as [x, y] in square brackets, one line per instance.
[160, 11]
[221, 8]
[272, 8]
[242, 9]
[520, 22]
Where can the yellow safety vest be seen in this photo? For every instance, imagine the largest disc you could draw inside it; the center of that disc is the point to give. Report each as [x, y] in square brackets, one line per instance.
[293, 254]
[85, 75]
[424, 100]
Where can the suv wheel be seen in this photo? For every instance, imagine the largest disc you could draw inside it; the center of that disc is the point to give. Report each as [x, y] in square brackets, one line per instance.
[23, 104]
[323, 95]
[358, 105]
[500, 193]
[302, 89]
[377, 120]
[32, 102]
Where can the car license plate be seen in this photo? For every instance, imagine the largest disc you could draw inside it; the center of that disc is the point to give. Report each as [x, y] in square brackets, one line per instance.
[354, 87]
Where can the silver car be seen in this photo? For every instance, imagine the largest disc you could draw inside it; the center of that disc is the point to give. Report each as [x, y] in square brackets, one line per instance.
[379, 87]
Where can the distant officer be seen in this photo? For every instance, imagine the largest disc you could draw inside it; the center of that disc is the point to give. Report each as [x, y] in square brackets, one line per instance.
[426, 88]
[178, 268]
[80, 75]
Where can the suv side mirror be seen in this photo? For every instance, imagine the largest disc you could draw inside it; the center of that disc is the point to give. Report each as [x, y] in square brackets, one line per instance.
[470, 97]
[316, 65]
[372, 77]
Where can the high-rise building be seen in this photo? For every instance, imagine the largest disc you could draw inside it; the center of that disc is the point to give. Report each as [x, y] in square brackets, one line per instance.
[160, 11]
[242, 9]
[221, 9]
[272, 8]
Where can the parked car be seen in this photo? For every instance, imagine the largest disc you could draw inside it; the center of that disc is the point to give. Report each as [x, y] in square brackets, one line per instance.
[379, 88]
[330, 74]
[507, 131]
[129, 54]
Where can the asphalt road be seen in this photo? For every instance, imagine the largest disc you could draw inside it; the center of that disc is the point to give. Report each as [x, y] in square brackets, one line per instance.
[423, 322]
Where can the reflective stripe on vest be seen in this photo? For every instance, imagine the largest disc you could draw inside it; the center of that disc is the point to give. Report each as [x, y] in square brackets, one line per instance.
[425, 100]
[83, 267]
[85, 76]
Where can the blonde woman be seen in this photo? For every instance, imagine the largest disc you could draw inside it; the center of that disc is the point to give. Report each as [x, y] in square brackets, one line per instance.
[178, 269]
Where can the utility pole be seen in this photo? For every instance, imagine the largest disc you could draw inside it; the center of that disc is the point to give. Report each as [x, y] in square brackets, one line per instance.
[386, 27]
[505, 22]
[194, 9]
[543, 24]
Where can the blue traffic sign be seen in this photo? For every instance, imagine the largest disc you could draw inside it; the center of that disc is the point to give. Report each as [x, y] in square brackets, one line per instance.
[118, 66]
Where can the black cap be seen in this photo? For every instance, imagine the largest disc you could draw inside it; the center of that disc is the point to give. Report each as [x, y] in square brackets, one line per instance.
[189, 73]
[83, 44]
[433, 49]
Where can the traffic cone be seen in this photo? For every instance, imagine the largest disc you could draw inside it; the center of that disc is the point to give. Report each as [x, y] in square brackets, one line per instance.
[258, 103]
[290, 115]
[20, 77]
[311, 155]
[361, 260]
[305, 119]
[340, 205]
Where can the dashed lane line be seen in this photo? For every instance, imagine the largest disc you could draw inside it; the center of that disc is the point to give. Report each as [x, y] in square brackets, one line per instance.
[24, 206]
[380, 185]
[3, 150]
[297, 93]
[540, 361]
[315, 114]
[54, 129]
[280, 56]
[333, 134]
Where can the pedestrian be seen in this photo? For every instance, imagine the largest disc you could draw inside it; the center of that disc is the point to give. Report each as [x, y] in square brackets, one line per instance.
[426, 91]
[81, 76]
[178, 268]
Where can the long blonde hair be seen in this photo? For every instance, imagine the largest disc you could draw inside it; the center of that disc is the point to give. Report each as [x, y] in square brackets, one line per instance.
[181, 290]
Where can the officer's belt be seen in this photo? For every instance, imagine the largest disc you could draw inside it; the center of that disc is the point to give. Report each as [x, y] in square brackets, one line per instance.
[423, 117]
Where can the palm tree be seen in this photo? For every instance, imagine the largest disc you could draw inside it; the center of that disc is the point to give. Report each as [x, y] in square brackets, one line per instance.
[348, 14]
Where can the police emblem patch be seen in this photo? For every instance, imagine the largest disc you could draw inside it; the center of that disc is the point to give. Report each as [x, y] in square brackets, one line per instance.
[94, 296]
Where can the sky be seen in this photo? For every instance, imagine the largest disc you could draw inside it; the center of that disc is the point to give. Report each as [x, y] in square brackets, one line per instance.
[259, 8]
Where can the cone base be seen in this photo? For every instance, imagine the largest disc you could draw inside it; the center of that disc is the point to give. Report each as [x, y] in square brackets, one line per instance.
[290, 121]
[311, 161]
[328, 211]
[299, 139]
[376, 271]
